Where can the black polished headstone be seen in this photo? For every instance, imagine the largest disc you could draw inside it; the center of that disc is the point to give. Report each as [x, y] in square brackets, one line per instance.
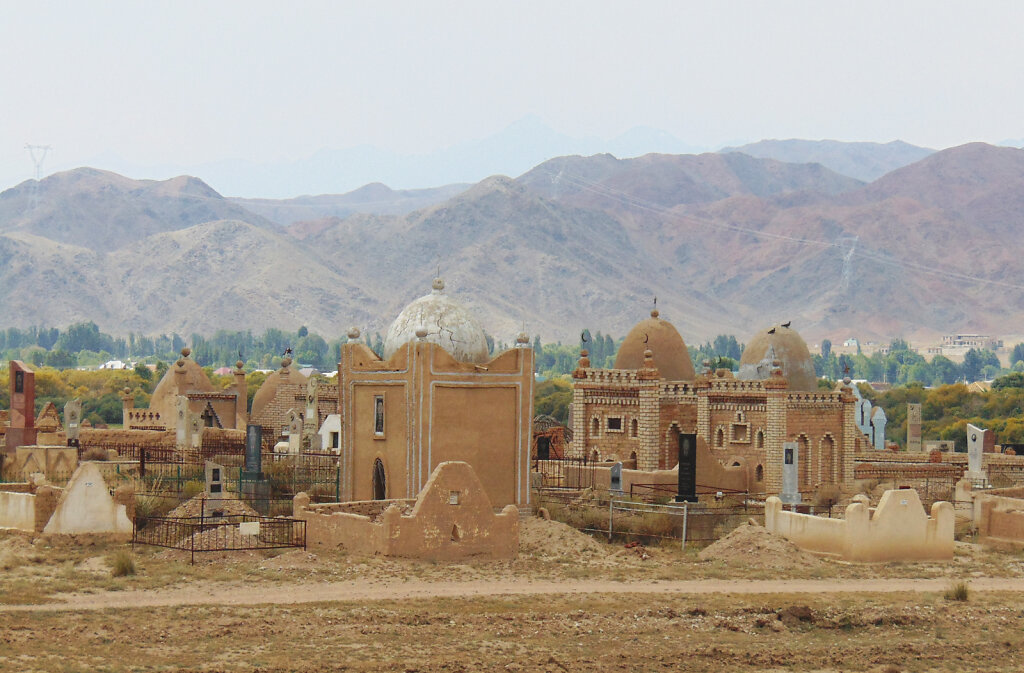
[687, 490]
[253, 450]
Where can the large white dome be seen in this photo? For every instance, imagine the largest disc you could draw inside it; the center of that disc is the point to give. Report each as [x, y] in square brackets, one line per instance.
[446, 323]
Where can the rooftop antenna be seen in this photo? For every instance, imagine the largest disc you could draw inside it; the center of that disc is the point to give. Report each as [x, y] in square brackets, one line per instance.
[38, 155]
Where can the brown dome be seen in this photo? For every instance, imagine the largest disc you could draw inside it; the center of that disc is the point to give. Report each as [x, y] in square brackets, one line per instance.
[789, 350]
[268, 391]
[165, 396]
[670, 354]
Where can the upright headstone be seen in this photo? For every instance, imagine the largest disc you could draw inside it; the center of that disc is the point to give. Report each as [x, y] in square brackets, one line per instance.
[616, 481]
[253, 451]
[214, 480]
[914, 427]
[195, 430]
[790, 473]
[73, 420]
[687, 488]
[310, 438]
[975, 447]
[294, 431]
[21, 430]
[255, 489]
[181, 418]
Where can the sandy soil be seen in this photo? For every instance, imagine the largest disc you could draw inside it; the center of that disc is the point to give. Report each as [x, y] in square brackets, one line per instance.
[234, 593]
[568, 603]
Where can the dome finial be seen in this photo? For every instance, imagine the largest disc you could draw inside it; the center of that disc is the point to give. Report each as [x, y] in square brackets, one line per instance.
[438, 284]
[654, 310]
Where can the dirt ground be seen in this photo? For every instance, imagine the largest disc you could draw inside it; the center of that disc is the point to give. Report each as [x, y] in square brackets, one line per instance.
[568, 603]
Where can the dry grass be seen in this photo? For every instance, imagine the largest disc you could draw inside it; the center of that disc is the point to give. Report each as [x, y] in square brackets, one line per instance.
[123, 564]
[958, 591]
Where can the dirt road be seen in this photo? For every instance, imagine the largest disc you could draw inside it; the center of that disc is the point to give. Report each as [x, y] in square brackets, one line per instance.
[232, 594]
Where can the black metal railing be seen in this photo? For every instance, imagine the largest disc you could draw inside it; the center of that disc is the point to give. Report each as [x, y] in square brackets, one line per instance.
[200, 534]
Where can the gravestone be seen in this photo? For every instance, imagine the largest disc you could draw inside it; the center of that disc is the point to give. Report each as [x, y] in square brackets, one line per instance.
[310, 438]
[790, 473]
[253, 451]
[195, 427]
[181, 414]
[975, 447]
[254, 487]
[73, 420]
[214, 480]
[687, 487]
[616, 483]
[294, 431]
[914, 427]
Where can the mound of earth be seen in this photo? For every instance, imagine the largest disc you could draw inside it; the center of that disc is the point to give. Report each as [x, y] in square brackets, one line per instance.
[203, 505]
[752, 546]
[553, 539]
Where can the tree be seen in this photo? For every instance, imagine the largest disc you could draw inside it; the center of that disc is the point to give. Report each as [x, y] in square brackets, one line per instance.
[1014, 380]
[303, 331]
[826, 348]
[975, 361]
[142, 371]
[1017, 354]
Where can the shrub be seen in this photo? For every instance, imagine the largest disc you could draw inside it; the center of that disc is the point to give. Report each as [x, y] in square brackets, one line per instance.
[94, 453]
[124, 564]
[957, 591]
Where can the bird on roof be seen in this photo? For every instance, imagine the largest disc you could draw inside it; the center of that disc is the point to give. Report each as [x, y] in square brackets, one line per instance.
[771, 331]
[787, 324]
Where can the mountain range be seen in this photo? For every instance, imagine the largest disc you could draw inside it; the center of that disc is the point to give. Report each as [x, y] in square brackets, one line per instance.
[728, 242]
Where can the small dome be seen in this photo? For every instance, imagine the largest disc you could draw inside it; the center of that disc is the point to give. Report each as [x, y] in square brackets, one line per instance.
[353, 333]
[447, 324]
[268, 390]
[671, 357]
[789, 349]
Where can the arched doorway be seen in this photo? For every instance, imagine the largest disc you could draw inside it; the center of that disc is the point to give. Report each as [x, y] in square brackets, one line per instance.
[543, 448]
[379, 481]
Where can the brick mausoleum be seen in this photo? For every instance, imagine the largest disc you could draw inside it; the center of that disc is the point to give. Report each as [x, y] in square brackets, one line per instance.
[637, 410]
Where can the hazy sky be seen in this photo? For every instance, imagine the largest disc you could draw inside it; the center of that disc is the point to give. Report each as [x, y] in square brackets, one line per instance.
[194, 82]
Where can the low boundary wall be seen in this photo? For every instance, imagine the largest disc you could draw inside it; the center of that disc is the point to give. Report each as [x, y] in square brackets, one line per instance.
[897, 530]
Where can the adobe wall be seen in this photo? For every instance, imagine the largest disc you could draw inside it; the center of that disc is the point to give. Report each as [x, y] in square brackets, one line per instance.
[999, 520]
[27, 507]
[18, 510]
[897, 530]
[451, 519]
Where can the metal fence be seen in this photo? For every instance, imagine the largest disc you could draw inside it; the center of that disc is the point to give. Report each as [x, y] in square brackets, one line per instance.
[632, 519]
[565, 473]
[219, 534]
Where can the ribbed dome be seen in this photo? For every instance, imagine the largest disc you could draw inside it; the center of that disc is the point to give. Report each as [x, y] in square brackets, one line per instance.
[786, 346]
[670, 354]
[447, 324]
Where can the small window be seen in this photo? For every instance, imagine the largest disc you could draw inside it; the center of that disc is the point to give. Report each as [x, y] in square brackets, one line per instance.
[720, 438]
[378, 415]
[759, 473]
[760, 439]
[453, 497]
[594, 427]
[633, 428]
[335, 440]
[615, 424]
[216, 474]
